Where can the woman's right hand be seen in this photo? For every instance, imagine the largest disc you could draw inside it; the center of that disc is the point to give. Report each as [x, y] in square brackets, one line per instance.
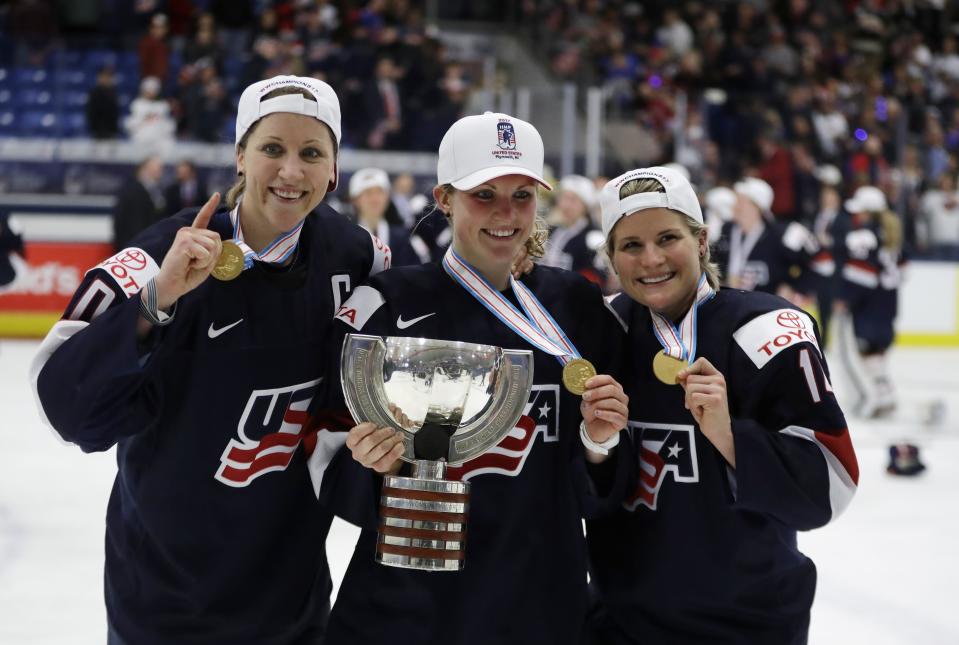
[376, 448]
[190, 259]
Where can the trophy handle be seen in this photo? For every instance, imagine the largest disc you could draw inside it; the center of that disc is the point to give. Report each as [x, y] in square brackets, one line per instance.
[361, 392]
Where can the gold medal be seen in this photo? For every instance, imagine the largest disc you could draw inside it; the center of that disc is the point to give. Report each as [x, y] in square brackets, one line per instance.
[576, 373]
[665, 367]
[230, 263]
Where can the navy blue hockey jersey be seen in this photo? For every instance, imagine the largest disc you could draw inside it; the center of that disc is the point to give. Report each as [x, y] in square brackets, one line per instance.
[869, 283]
[525, 574]
[214, 532]
[11, 243]
[775, 254]
[701, 552]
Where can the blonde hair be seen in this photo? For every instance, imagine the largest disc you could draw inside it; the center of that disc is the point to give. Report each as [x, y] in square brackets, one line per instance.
[233, 194]
[891, 228]
[696, 229]
[536, 242]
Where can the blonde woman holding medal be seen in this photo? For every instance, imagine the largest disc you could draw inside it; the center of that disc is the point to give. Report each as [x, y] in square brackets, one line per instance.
[736, 434]
[214, 533]
[524, 579]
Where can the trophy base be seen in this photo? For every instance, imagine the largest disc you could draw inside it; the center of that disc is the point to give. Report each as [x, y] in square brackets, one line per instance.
[423, 521]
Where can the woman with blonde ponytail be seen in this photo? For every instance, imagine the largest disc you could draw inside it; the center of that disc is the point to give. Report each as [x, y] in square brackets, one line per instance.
[737, 440]
[867, 300]
[529, 491]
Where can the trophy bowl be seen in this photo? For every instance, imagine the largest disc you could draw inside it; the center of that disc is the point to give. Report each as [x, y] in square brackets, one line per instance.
[452, 401]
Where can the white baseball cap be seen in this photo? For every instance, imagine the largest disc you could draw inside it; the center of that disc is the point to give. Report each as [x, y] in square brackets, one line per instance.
[720, 200]
[325, 106]
[367, 178]
[757, 191]
[866, 199]
[581, 187]
[485, 146]
[679, 196]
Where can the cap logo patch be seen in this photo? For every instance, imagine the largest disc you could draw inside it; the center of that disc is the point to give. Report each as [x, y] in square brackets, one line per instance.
[505, 142]
[505, 135]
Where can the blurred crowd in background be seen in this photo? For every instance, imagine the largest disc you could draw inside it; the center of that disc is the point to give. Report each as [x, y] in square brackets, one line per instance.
[816, 97]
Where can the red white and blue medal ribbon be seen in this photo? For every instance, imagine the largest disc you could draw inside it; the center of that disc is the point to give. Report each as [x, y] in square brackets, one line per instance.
[680, 343]
[276, 252]
[534, 323]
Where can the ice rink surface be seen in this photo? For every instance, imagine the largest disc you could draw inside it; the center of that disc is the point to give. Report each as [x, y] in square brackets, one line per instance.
[888, 568]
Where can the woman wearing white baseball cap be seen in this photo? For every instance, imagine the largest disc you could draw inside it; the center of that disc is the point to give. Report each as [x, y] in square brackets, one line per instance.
[370, 197]
[527, 492]
[867, 296]
[574, 243]
[213, 530]
[737, 439]
[756, 252]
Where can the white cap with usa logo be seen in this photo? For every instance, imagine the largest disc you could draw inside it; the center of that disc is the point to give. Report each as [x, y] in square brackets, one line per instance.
[485, 146]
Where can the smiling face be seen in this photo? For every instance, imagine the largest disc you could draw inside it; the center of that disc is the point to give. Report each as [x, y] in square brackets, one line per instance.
[657, 260]
[288, 162]
[491, 222]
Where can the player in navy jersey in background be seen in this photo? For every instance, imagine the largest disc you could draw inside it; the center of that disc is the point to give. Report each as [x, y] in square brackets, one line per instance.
[525, 574]
[574, 242]
[12, 253]
[868, 292]
[370, 195]
[214, 533]
[737, 436]
[755, 252]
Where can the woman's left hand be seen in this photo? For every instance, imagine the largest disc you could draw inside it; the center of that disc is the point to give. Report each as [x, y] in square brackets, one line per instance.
[706, 399]
[604, 407]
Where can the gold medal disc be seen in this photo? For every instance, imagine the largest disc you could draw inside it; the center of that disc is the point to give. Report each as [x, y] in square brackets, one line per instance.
[665, 367]
[576, 373]
[230, 263]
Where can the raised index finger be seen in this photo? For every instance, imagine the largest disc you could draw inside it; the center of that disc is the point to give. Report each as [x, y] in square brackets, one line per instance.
[202, 219]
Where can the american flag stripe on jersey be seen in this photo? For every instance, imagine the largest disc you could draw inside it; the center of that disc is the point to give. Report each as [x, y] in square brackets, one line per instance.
[276, 252]
[681, 343]
[527, 327]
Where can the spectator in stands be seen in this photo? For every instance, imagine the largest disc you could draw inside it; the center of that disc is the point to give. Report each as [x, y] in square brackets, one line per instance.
[205, 104]
[384, 111]
[149, 122]
[938, 225]
[32, 25]
[776, 169]
[186, 191]
[204, 45]
[139, 203]
[234, 20]
[103, 109]
[154, 50]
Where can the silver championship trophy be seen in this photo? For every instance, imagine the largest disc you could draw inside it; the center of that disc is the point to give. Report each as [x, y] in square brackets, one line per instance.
[452, 401]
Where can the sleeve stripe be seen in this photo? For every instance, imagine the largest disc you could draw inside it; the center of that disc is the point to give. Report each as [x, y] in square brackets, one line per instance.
[840, 461]
[60, 333]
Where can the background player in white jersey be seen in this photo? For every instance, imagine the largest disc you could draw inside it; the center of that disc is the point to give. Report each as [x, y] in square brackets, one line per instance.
[528, 493]
[738, 439]
[214, 533]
